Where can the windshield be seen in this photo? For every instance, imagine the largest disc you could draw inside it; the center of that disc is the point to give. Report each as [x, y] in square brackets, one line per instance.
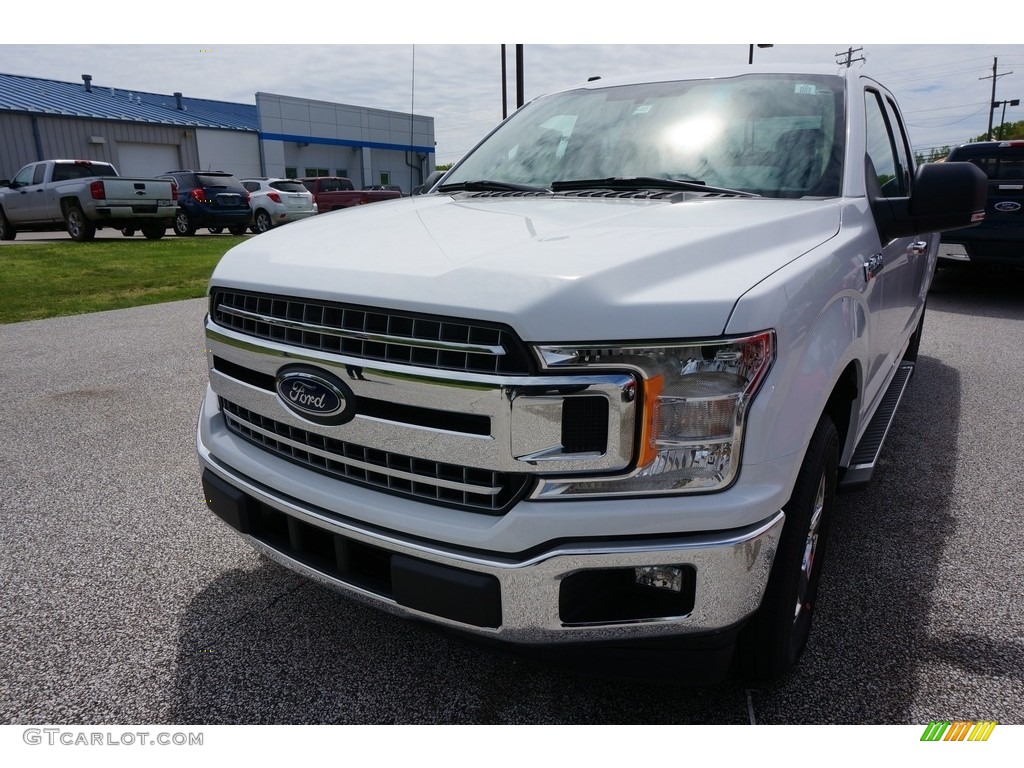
[772, 135]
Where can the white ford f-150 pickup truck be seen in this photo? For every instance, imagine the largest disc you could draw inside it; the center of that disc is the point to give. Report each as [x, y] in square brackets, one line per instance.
[82, 196]
[602, 383]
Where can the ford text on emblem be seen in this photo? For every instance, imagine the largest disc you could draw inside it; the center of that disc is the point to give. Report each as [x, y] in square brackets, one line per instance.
[1007, 206]
[315, 395]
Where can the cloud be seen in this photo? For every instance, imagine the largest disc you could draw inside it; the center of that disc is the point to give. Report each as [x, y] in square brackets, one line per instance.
[459, 84]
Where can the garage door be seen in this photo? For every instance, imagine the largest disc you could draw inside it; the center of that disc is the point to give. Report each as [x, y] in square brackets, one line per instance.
[147, 159]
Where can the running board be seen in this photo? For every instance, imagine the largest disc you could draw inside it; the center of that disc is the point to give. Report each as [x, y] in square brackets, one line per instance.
[865, 457]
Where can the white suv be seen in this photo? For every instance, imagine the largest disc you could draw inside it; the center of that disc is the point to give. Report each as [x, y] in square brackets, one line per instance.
[278, 201]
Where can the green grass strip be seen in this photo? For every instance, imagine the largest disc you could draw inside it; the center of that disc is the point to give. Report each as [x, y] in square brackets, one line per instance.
[56, 279]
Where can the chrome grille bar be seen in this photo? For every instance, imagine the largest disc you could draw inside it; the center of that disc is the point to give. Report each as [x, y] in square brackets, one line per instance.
[474, 349]
[373, 333]
[476, 490]
[363, 465]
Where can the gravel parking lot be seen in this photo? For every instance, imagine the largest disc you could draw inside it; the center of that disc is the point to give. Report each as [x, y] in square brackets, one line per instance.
[122, 600]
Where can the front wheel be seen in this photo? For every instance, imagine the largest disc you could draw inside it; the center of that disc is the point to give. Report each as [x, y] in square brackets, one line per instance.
[183, 226]
[78, 226]
[776, 637]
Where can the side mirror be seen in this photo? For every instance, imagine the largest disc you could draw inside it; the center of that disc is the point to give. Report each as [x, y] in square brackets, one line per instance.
[948, 196]
[945, 196]
[5, 182]
[431, 181]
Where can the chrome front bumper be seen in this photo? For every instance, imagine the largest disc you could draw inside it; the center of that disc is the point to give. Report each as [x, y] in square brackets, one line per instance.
[729, 569]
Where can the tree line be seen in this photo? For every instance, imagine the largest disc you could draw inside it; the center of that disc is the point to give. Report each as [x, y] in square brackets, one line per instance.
[1003, 132]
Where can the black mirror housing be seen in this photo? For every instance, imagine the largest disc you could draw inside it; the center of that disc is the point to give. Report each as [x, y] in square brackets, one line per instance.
[948, 196]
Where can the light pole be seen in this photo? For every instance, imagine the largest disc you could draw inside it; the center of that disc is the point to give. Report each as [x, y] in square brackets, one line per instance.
[750, 58]
[1002, 120]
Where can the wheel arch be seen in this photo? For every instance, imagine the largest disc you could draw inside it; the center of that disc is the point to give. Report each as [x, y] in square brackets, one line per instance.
[840, 407]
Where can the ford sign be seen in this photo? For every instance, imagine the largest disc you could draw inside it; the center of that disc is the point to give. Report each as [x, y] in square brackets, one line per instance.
[315, 395]
[1007, 206]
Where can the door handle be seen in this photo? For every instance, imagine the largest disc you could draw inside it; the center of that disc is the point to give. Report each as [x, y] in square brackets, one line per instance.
[918, 248]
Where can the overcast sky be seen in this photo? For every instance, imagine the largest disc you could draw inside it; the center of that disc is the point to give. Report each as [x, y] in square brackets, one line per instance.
[941, 87]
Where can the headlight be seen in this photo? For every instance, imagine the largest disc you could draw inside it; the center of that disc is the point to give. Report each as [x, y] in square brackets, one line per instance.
[695, 397]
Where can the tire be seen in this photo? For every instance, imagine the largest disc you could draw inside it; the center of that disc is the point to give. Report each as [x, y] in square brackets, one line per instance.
[261, 223]
[79, 227]
[772, 643]
[154, 232]
[215, 230]
[239, 230]
[7, 232]
[128, 231]
[183, 226]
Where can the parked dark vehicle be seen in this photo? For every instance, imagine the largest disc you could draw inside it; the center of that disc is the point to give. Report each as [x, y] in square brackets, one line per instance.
[999, 239]
[214, 199]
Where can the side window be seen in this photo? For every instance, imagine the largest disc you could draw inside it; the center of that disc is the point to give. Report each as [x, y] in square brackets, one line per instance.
[24, 177]
[40, 172]
[881, 148]
[903, 155]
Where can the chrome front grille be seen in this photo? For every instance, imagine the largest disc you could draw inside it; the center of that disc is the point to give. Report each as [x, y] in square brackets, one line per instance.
[478, 490]
[372, 334]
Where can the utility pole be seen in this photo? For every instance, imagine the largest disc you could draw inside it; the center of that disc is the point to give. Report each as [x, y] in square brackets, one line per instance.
[848, 53]
[750, 57]
[1002, 120]
[520, 82]
[504, 85]
[995, 75]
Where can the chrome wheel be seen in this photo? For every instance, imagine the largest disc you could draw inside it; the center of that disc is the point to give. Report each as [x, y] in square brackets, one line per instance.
[183, 225]
[78, 226]
[803, 603]
[262, 222]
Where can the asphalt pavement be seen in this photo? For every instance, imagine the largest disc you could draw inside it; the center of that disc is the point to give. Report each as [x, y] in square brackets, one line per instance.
[122, 600]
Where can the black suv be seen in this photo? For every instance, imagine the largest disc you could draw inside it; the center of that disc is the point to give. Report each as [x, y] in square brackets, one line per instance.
[213, 199]
[999, 239]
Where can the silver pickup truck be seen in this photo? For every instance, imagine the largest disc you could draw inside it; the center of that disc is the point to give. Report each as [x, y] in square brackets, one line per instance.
[82, 196]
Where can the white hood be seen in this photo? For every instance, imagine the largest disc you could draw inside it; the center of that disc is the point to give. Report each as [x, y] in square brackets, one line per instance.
[554, 269]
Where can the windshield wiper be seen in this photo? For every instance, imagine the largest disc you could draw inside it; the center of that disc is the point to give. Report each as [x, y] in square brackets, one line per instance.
[630, 183]
[487, 185]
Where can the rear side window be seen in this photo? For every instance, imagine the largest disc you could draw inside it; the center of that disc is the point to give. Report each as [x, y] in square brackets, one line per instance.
[65, 171]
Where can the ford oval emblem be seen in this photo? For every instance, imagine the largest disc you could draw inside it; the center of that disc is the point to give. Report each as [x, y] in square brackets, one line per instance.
[1007, 206]
[315, 395]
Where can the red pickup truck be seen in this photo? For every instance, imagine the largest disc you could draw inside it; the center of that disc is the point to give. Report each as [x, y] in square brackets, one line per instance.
[334, 192]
